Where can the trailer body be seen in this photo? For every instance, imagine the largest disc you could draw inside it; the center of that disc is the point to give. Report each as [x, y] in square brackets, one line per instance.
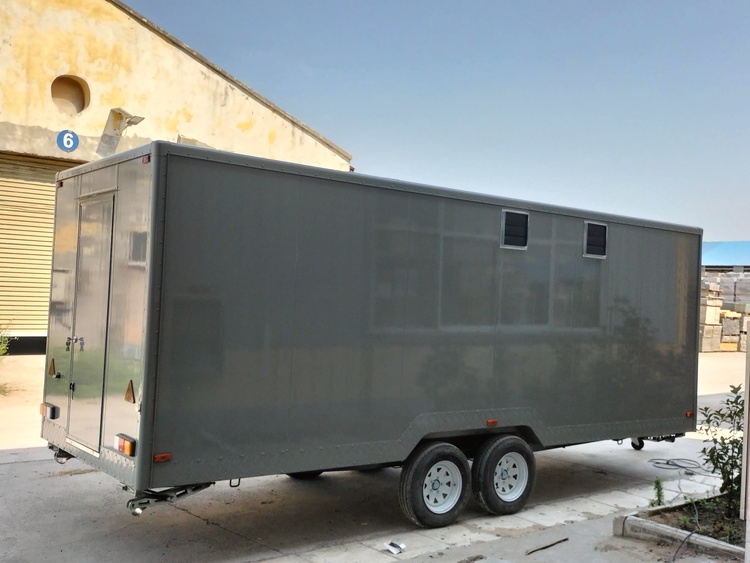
[218, 316]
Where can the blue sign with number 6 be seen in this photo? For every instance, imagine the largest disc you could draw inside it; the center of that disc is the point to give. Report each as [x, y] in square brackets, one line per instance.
[67, 141]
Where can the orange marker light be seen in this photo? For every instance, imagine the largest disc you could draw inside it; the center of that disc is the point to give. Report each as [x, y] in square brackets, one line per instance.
[492, 422]
[49, 410]
[161, 458]
[125, 444]
[689, 414]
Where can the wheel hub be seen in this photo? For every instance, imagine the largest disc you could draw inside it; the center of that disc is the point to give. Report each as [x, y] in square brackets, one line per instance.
[441, 488]
[511, 476]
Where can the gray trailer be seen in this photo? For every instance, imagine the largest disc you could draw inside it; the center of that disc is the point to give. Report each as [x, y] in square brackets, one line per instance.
[219, 316]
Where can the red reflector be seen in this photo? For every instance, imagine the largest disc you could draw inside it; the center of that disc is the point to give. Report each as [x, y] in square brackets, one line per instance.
[689, 414]
[160, 458]
[492, 422]
[146, 158]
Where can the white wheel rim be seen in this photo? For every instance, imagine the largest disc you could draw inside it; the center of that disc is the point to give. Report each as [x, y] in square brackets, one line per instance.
[441, 488]
[511, 477]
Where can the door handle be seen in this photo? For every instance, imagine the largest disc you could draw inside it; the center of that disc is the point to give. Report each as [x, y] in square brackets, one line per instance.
[73, 340]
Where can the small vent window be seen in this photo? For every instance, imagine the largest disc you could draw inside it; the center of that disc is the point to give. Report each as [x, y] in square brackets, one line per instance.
[596, 240]
[138, 242]
[515, 227]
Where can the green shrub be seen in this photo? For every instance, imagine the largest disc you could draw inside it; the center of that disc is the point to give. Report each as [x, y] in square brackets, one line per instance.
[4, 340]
[658, 499]
[724, 427]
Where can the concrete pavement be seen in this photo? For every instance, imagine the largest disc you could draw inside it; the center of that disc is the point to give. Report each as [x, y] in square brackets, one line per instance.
[22, 378]
[74, 513]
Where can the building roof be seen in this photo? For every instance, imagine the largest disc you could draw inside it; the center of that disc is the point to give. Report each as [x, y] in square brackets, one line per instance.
[726, 253]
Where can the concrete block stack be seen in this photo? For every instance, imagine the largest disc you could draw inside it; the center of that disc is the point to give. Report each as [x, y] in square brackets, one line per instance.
[710, 338]
[730, 327]
[742, 289]
[735, 287]
[727, 284]
[736, 295]
[710, 316]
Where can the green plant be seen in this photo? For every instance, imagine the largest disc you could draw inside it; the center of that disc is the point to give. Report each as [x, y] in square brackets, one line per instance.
[686, 522]
[724, 427]
[706, 503]
[658, 499]
[4, 340]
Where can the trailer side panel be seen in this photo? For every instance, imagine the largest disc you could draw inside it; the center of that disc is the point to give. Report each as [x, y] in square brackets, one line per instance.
[308, 322]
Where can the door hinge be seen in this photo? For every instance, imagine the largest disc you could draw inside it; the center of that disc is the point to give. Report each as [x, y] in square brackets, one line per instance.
[72, 386]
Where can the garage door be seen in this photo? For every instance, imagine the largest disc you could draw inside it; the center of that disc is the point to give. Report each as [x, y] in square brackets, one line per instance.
[27, 201]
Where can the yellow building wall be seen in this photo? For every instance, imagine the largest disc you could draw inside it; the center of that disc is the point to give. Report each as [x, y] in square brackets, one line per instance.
[127, 63]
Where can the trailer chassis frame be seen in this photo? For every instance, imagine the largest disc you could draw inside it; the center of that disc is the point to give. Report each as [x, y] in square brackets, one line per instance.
[148, 497]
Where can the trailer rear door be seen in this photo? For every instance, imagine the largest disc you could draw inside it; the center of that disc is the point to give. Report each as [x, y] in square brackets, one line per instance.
[88, 341]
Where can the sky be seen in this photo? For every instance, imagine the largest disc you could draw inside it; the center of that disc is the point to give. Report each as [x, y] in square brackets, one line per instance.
[636, 108]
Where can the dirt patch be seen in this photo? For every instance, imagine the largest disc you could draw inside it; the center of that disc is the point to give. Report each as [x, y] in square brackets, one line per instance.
[6, 389]
[71, 472]
[706, 517]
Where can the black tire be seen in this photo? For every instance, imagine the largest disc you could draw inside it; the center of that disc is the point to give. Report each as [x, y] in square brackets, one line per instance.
[435, 485]
[305, 475]
[637, 443]
[503, 474]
